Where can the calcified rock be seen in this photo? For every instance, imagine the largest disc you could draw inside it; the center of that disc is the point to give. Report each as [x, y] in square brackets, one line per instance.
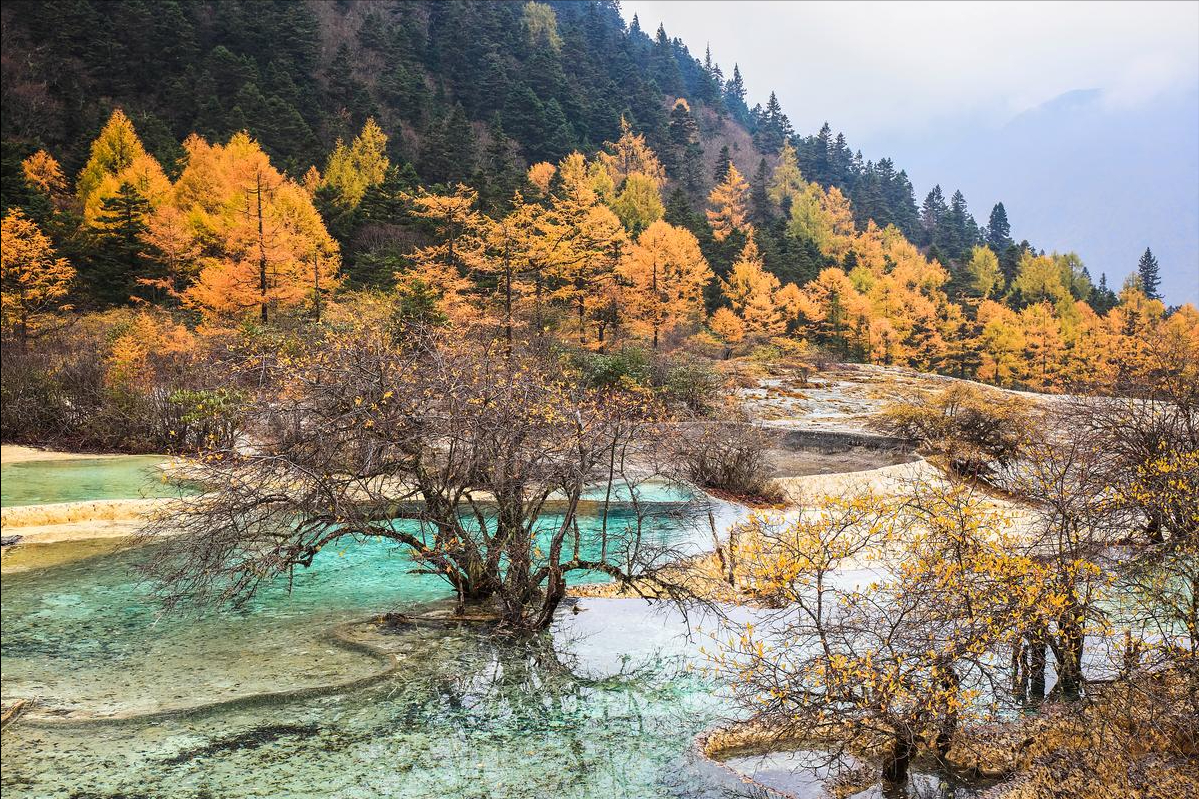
[76, 512]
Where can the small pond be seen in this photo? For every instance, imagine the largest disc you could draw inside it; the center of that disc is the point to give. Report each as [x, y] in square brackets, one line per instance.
[80, 479]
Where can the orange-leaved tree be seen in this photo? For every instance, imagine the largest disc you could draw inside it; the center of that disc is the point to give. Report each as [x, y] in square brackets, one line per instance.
[727, 213]
[582, 240]
[34, 282]
[43, 174]
[750, 290]
[665, 274]
[630, 155]
[117, 158]
[727, 327]
[441, 273]
[264, 244]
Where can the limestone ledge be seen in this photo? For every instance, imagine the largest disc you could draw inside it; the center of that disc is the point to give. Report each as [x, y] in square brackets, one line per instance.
[17, 520]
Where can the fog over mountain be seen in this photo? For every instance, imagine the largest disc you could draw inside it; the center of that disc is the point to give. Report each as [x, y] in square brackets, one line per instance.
[1082, 118]
[1084, 173]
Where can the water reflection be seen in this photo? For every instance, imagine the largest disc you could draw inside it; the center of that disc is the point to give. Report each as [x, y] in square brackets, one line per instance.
[468, 714]
[601, 707]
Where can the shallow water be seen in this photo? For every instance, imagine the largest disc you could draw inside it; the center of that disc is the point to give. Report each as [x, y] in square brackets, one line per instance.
[133, 705]
[802, 773]
[77, 480]
[608, 710]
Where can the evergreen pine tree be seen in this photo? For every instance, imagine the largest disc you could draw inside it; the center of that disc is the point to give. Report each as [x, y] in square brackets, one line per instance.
[685, 155]
[1103, 299]
[820, 170]
[723, 161]
[501, 174]
[901, 198]
[523, 117]
[384, 202]
[960, 231]
[841, 164]
[999, 231]
[559, 136]
[932, 212]
[448, 152]
[760, 201]
[665, 69]
[734, 96]
[1149, 275]
[119, 253]
[773, 127]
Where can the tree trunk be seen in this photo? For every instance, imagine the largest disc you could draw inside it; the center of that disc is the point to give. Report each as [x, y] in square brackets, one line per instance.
[1070, 668]
[507, 305]
[1036, 677]
[316, 284]
[949, 723]
[1153, 529]
[555, 592]
[1020, 671]
[897, 760]
[582, 320]
[261, 250]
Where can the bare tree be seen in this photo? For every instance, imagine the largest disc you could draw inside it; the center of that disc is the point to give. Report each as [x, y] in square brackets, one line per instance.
[475, 464]
[974, 429]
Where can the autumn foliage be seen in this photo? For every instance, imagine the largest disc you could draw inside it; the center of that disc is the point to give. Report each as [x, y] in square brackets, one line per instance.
[35, 281]
[583, 252]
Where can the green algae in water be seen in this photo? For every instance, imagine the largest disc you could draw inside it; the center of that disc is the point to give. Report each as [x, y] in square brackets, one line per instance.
[607, 711]
[83, 479]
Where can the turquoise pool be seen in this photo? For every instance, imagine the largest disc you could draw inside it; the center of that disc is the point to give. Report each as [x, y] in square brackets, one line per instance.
[134, 705]
[602, 707]
[79, 479]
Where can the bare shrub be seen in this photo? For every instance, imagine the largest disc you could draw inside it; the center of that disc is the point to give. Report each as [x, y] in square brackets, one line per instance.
[730, 455]
[974, 428]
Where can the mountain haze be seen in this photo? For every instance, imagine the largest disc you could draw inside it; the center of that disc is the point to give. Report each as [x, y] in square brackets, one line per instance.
[1085, 173]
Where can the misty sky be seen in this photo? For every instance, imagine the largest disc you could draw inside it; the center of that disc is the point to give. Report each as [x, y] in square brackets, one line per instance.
[892, 76]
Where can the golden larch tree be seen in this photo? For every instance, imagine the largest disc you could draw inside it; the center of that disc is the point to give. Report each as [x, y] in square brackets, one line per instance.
[117, 157]
[630, 155]
[582, 241]
[835, 311]
[515, 261]
[173, 244]
[1044, 350]
[750, 291]
[786, 181]
[664, 273]
[43, 174]
[34, 281]
[983, 278]
[639, 204]
[541, 175]
[351, 170]
[264, 242]
[727, 200]
[728, 328]
[445, 268]
[1000, 344]
[112, 151]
